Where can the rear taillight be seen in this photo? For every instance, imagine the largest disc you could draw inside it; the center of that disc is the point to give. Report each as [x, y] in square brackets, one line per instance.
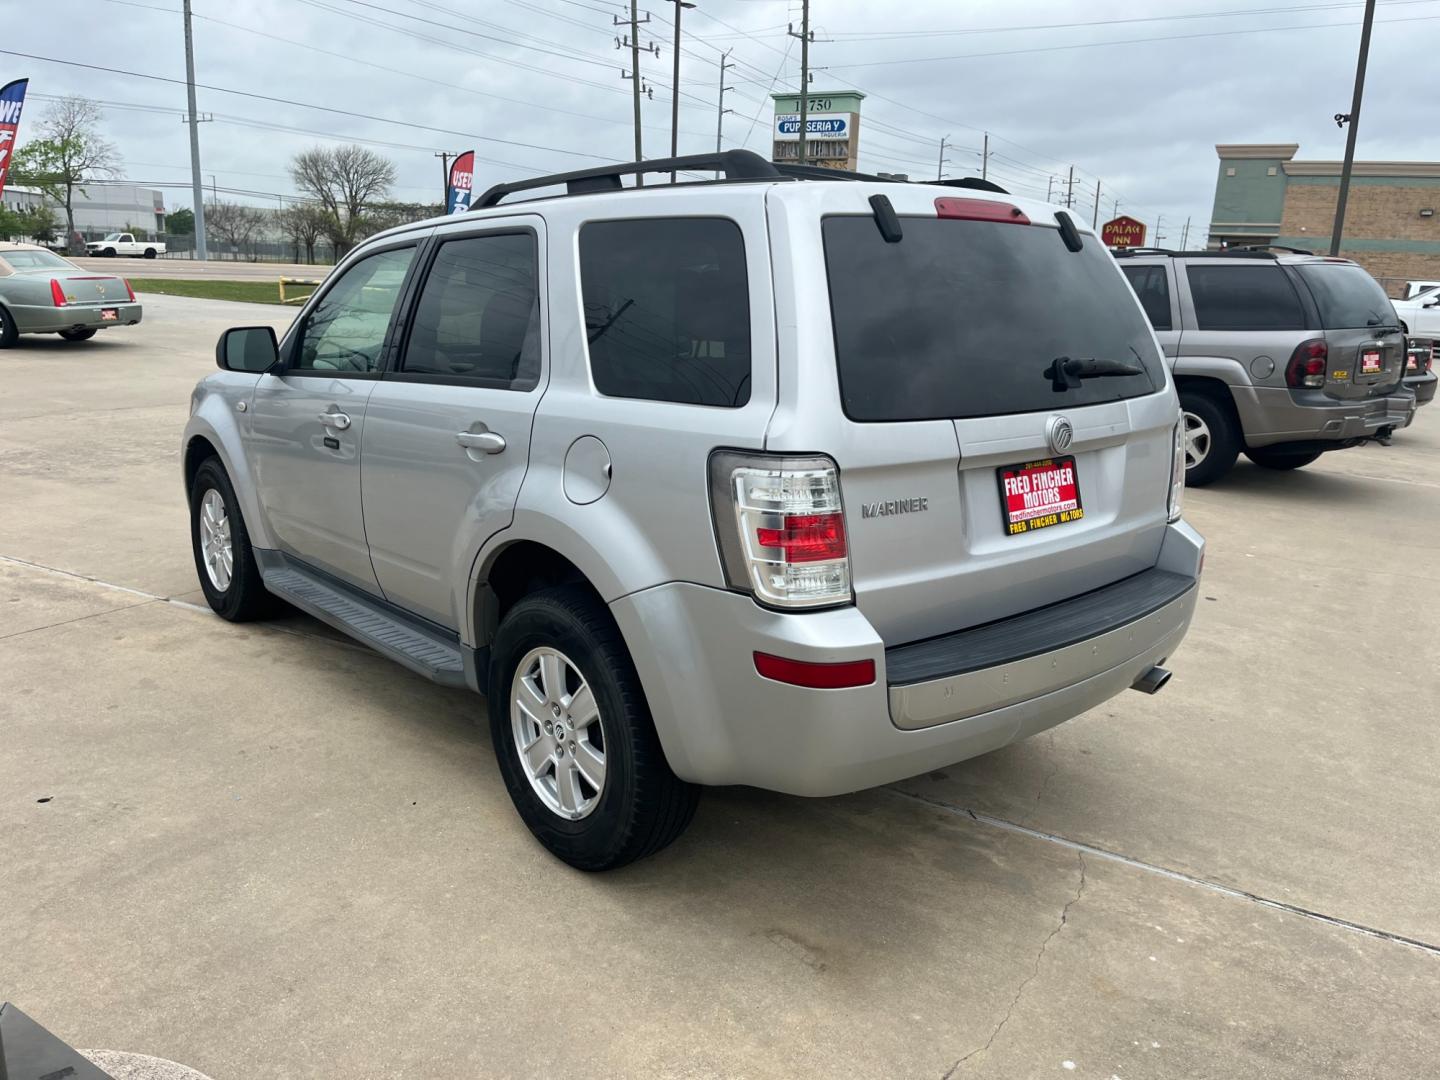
[781, 528]
[57, 294]
[980, 210]
[1177, 471]
[128, 289]
[1307, 364]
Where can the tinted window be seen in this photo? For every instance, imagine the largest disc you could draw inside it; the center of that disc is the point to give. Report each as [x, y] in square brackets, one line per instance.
[963, 318]
[35, 260]
[1347, 296]
[1153, 289]
[667, 309]
[479, 314]
[345, 331]
[1244, 298]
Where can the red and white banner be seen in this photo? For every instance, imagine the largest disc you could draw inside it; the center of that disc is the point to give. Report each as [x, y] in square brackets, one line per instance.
[12, 100]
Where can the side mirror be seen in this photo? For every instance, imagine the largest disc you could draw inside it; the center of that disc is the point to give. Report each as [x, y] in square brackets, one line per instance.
[247, 348]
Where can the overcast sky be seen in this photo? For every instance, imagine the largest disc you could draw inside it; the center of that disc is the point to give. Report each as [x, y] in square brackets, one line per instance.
[1054, 83]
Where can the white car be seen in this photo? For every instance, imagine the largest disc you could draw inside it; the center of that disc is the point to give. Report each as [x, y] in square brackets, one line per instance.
[1420, 315]
[1415, 288]
[124, 243]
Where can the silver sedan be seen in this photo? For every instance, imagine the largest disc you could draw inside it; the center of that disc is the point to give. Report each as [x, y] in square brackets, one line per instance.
[42, 293]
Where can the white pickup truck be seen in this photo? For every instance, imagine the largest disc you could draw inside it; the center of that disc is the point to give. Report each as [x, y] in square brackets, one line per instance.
[124, 243]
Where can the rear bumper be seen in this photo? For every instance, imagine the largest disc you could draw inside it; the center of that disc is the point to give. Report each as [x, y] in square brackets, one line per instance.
[1423, 387]
[1272, 415]
[722, 723]
[49, 320]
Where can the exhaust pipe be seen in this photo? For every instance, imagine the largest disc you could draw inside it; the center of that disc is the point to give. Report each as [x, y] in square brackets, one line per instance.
[1152, 680]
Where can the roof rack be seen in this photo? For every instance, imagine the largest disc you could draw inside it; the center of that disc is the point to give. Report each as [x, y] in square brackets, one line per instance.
[1224, 253]
[735, 164]
[1272, 247]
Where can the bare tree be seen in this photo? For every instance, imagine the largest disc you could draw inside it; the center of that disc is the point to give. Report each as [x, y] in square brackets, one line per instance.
[234, 223]
[68, 153]
[303, 224]
[345, 180]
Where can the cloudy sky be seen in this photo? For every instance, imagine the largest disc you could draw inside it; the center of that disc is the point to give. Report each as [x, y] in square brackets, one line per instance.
[1134, 95]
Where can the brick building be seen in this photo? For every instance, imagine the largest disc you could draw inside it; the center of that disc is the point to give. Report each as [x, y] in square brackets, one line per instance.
[1392, 219]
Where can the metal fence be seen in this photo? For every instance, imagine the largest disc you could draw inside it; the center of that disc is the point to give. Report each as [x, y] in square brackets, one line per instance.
[282, 251]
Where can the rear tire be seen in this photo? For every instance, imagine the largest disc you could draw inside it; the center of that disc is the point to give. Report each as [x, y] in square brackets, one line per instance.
[1212, 438]
[1277, 457]
[82, 334]
[149, 253]
[232, 585]
[9, 332]
[638, 806]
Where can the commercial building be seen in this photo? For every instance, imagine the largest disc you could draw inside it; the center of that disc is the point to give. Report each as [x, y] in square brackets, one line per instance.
[100, 208]
[832, 129]
[1392, 228]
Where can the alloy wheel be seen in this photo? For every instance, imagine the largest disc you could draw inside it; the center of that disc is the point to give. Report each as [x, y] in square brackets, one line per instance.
[216, 549]
[1197, 440]
[558, 733]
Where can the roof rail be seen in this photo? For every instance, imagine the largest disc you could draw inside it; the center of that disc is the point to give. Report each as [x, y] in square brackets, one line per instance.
[1272, 247]
[974, 182]
[1223, 253]
[735, 164]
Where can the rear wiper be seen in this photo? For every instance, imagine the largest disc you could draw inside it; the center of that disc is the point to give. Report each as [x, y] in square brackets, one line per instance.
[1065, 373]
[1382, 327]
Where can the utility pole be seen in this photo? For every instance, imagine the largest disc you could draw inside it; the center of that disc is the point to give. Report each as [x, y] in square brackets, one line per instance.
[1049, 186]
[720, 109]
[1095, 221]
[680, 6]
[1185, 234]
[444, 157]
[1158, 218]
[1354, 120]
[632, 39]
[1115, 207]
[805, 38]
[197, 186]
[985, 158]
[1070, 188]
[940, 168]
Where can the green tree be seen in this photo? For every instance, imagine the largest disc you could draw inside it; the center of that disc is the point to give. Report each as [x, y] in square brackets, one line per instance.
[180, 222]
[345, 181]
[68, 153]
[35, 223]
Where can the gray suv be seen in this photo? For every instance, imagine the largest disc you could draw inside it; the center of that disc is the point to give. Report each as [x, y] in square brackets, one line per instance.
[776, 480]
[1277, 353]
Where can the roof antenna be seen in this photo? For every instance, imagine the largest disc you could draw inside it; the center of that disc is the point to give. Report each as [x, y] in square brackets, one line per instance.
[886, 219]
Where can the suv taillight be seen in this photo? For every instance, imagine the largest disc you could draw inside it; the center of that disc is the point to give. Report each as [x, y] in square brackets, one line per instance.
[1307, 364]
[57, 294]
[781, 528]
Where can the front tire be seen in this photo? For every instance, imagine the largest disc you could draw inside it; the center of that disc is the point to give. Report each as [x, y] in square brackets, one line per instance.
[9, 332]
[1277, 457]
[573, 735]
[110, 253]
[224, 560]
[81, 334]
[1212, 438]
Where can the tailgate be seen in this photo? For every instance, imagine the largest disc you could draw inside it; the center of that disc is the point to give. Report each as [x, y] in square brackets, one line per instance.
[1372, 364]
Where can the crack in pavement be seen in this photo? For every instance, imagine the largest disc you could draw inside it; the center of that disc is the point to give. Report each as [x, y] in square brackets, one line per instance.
[77, 618]
[1020, 990]
[1174, 875]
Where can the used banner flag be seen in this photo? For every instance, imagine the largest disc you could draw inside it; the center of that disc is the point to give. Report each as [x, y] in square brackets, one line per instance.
[12, 98]
[462, 175]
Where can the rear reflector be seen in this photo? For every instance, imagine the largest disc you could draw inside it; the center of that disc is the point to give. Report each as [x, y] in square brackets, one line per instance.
[816, 676]
[980, 210]
[57, 294]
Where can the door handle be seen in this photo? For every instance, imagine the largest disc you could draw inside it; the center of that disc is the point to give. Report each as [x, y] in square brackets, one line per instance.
[489, 442]
[336, 420]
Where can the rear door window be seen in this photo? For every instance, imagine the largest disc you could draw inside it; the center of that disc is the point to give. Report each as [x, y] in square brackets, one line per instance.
[964, 318]
[667, 309]
[1348, 297]
[1153, 289]
[1244, 298]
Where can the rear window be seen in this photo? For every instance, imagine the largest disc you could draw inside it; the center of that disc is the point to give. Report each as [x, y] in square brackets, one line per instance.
[963, 318]
[1348, 297]
[667, 309]
[1244, 298]
[1153, 289]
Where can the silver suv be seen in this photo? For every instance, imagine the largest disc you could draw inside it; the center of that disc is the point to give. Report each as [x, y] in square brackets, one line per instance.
[1277, 353]
[771, 480]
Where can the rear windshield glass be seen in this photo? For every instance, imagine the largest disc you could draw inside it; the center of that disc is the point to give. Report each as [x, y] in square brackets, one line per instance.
[35, 260]
[963, 318]
[1347, 296]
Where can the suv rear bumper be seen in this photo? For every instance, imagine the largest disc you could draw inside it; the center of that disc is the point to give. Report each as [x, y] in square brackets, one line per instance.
[722, 723]
[1423, 387]
[1272, 415]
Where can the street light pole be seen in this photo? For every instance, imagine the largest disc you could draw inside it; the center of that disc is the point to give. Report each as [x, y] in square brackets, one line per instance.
[197, 185]
[680, 6]
[1354, 119]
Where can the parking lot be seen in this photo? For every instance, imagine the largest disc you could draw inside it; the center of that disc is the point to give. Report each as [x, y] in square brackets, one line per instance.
[263, 851]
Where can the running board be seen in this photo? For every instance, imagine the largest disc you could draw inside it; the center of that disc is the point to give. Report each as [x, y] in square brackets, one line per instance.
[430, 652]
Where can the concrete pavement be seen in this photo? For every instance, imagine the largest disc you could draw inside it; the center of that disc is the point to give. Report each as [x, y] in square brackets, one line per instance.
[268, 852]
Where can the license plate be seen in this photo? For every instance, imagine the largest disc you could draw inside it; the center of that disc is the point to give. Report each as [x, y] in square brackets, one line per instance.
[109, 314]
[1039, 494]
[1371, 363]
